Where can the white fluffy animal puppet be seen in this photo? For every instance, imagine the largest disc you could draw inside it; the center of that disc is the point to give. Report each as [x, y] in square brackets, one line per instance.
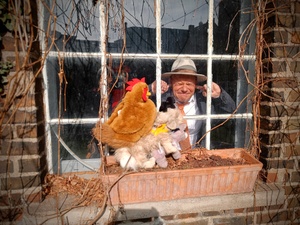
[168, 142]
[176, 136]
[163, 140]
[135, 157]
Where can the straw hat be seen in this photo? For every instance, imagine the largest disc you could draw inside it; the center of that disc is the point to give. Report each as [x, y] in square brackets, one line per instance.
[184, 67]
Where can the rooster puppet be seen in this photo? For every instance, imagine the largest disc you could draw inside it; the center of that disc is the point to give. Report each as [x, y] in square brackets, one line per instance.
[131, 120]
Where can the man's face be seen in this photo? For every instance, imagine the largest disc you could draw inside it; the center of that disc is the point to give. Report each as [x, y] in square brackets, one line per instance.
[183, 87]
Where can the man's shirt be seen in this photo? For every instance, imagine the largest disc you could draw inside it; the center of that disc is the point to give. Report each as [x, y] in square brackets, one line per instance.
[193, 125]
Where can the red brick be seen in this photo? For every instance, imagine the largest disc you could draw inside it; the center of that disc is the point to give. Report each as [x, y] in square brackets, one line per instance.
[295, 176]
[8, 43]
[7, 132]
[267, 124]
[293, 96]
[16, 183]
[272, 96]
[211, 213]
[271, 177]
[241, 210]
[270, 67]
[8, 199]
[26, 131]
[270, 151]
[19, 148]
[292, 150]
[292, 190]
[273, 111]
[34, 197]
[11, 214]
[187, 215]
[271, 217]
[6, 166]
[277, 207]
[25, 117]
[29, 165]
[28, 101]
[293, 202]
[242, 220]
[295, 66]
[286, 20]
[295, 37]
[291, 137]
[168, 217]
[255, 209]
[284, 83]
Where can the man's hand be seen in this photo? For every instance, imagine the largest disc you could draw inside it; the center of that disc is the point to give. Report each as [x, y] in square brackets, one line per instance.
[164, 87]
[215, 90]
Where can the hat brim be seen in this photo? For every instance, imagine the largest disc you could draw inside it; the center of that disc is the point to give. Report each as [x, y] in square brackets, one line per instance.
[200, 77]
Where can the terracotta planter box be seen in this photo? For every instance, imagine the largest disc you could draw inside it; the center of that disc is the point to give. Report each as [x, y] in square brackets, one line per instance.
[177, 184]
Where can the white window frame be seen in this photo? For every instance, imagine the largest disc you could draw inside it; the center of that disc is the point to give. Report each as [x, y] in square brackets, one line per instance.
[159, 56]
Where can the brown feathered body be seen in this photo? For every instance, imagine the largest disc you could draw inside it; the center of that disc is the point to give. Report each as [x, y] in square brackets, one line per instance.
[132, 119]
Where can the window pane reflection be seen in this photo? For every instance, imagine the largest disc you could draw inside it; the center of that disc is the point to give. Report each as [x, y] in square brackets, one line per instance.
[223, 136]
[121, 72]
[80, 96]
[138, 24]
[230, 76]
[225, 74]
[184, 26]
[233, 133]
[231, 27]
[226, 27]
[76, 26]
[78, 138]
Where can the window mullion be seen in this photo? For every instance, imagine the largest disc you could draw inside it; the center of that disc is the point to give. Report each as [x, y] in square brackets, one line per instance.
[209, 72]
[45, 53]
[103, 77]
[158, 50]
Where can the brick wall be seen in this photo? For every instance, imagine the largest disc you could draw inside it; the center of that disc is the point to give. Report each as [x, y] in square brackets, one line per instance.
[22, 153]
[280, 134]
[23, 157]
[280, 123]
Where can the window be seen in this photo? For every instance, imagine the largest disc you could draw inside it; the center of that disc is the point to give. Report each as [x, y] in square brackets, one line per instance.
[90, 42]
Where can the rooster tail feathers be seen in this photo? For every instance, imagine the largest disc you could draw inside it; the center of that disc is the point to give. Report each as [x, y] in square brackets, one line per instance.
[106, 135]
[103, 133]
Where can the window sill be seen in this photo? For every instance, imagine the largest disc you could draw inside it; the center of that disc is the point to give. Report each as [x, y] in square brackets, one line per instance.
[264, 195]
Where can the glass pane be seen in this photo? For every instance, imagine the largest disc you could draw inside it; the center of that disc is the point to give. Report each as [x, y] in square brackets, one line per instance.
[230, 76]
[223, 136]
[184, 26]
[226, 27]
[80, 97]
[78, 138]
[232, 134]
[123, 71]
[242, 133]
[76, 24]
[53, 88]
[230, 22]
[225, 75]
[244, 88]
[135, 18]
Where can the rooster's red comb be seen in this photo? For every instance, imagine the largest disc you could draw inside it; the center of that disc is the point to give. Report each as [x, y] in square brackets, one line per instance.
[133, 82]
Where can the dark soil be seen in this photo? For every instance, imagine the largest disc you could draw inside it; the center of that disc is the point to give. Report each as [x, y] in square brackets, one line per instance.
[197, 158]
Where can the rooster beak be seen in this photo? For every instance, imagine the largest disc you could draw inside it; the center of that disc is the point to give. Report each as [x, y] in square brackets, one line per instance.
[148, 93]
